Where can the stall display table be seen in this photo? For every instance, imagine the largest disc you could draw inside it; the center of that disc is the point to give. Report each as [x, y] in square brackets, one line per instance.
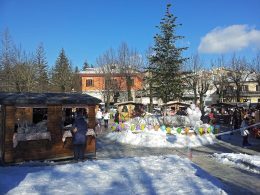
[17, 137]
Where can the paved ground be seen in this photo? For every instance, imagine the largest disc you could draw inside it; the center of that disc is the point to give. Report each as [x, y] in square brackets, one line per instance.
[236, 181]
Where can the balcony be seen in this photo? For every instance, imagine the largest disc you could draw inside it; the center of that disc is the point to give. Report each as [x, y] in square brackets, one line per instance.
[243, 93]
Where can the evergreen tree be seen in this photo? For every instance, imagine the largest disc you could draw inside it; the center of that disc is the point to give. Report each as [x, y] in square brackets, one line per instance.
[62, 74]
[85, 65]
[166, 60]
[42, 69]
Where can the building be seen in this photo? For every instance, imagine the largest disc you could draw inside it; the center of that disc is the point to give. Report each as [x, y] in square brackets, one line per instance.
[112, 84]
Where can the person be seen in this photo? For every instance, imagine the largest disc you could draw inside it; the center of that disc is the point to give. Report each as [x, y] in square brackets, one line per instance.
[106, 118]
[116, 119]
[172, 111]
[211, 115]
[99, 117]
[244, 131]
[79, 130]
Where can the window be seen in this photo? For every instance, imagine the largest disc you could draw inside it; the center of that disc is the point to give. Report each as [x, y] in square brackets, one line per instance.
[89, 83]
[132, 82]
[244, 87]
[257, 88]
[111, 83]
[229, 89]
[39, 114]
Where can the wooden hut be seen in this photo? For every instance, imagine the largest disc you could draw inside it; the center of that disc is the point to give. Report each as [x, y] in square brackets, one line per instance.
[35, 126]
[175, 105]
[127, 109]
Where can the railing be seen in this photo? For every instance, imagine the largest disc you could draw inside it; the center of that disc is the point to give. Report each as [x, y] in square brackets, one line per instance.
[232, 93]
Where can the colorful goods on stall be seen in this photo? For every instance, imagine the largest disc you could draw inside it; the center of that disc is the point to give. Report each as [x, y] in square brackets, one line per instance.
[169, 130]
[120, 126]
[114, 126]
[188, 125]
[187, 129]
[138, 128]
[132, 127]
[163, 128]
[216, 129]
[201, 130]
[179, 129]
[156, 127]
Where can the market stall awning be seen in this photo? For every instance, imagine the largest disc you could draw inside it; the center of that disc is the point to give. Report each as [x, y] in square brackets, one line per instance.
[225, 105]
[20, 99]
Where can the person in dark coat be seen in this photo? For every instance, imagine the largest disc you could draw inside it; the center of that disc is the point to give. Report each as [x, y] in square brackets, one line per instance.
[79, 131]
[116, 118]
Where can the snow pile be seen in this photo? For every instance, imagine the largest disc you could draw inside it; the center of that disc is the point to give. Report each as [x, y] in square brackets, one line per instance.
[194, 115]
[146, 175]
[243, 161]
[148, 138]
[169, 131]
[177, 124]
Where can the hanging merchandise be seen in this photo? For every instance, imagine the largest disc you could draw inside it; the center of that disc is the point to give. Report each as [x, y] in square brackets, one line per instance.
[163, 128]
[142, 126]
[187, 129]
[201, 130]
[168, 130]
[114, 126]
[179, 130]
[133, 127]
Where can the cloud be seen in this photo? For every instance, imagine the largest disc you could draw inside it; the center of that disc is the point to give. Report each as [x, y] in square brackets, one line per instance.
[230, 39]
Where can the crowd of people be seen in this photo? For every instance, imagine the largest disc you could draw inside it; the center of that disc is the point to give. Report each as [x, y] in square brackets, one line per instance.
[237, 118]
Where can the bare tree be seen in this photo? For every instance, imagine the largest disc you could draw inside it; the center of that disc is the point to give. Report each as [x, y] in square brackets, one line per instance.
[7, 60]
[239, 70]
[129, 62]
[107, 63]
[76, 81]
[256, 67]
[148, 81]
[193, 68]
[219, 77]
[203, 85]
[24, 72]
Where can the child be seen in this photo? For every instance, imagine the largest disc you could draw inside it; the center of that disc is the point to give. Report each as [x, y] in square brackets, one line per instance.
[106, 118]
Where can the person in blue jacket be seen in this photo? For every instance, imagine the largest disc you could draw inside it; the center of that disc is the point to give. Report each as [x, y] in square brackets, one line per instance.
[79, 131]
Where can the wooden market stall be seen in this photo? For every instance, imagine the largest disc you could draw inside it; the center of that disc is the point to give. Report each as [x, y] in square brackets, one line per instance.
[176, 106]
[128, 109]
[36, 126]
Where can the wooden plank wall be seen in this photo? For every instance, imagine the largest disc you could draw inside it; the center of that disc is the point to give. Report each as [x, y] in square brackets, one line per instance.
[24, 115]
[43, 149]
[91, 117]
[9, 131]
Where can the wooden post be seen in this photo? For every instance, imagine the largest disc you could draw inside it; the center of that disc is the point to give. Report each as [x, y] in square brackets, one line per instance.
[8, 133]
[54, 123]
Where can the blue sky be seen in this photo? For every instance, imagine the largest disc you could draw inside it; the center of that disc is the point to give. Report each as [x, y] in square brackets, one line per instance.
[86, 29]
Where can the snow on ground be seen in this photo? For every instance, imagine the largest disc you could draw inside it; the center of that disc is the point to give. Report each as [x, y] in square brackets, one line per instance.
[153, 138]
[242, 161]
[140, 175]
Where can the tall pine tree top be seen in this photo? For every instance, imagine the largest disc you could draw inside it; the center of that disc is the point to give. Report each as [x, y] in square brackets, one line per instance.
[166, 60]
[62, 74]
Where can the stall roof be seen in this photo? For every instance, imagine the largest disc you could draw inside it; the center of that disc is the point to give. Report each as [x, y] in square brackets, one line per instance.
[223, 104]
[128, 102]
[171, 103]
[20, 99]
